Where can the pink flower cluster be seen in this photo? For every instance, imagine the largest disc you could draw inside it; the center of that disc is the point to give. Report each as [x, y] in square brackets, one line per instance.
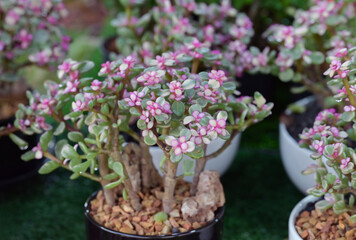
[31, 18]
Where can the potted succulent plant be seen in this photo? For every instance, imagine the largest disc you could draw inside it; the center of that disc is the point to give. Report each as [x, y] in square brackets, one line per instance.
[179, 110]
[29, 35]
[331, 141]
[316, 33]
[189, 28]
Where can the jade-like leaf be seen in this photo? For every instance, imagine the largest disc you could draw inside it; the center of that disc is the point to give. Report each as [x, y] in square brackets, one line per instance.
[48, 167]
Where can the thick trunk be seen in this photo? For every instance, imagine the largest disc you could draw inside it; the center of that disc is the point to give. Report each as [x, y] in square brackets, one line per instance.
[104, 170]
[132, 164]
[134, 199]
[169, 186]
[150, 175]
[199, 168]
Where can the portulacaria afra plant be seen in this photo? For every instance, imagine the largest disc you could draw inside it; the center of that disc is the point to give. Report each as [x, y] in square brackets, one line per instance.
[316, 33]
[178, 110]
[190, 28]
[332, 139]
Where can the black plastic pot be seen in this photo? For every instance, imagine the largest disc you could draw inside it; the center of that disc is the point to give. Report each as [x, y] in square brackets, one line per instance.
[13, 169]
[212, 231]
[109, 46]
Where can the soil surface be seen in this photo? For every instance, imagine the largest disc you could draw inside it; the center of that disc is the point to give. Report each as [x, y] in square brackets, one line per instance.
[123, 218]
[313, 224]
[296, 122]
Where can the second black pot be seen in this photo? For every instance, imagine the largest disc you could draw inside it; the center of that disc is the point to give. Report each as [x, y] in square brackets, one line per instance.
[95, 231]
[13, 169]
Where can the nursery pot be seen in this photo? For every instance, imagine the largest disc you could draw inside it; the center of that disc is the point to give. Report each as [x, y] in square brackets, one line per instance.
[295, 159]
[292, 232]
[95, 231]
[13, 169]
[220, 163]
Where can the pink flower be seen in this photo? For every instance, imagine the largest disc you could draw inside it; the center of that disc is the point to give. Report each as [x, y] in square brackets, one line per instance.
[176, 90]
[78, 105]
[71, 87]
[318, 146]
[349, 108]
[46, 105]
[151, 78]
[344, 163]
[96, 85]
[145, 116]
[219, 126]
[129, 62]
[335, 66]
[198, 116]
[135, 98]
[38, 151]
[208, 93]
[25, 38]
[12, 18]
[65, 67]
[180, 145]
[105, 68]
[216, 78]
[41, 121]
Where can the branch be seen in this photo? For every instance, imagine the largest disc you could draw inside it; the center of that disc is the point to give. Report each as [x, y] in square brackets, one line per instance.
[8, 130]
[226, 144]
[60, 162]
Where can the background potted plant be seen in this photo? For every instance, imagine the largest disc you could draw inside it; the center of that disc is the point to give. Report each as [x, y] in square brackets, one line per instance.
[331, 141]
[301, 49]
[29, 35]
[179, 110]
[189, 28]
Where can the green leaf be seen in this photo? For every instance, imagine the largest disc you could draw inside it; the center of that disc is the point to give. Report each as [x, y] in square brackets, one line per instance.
[160, 217]
[317, 58]
[73, 115]
[18, 141]
[135, 112]
[74, 176]
[84, 66]
[59, 146]
[69, 152]
[110, 176]
[348, 116]
[286, 76]
[82, 167]
[141, 124]
[48, 167]
[188, 84]
[27, 156]
[45, 139]
[229, 86]
[75, 136]
[353, 218]
[187, 167]
[124, 194]
[178, 108]
[105, 109]
[114, 184]
[186, 133]
[60, 129]
[150, 140]
[323, 205]
[118, 168]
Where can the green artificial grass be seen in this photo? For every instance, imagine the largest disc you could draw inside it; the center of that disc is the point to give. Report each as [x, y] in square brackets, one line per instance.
[258, 192]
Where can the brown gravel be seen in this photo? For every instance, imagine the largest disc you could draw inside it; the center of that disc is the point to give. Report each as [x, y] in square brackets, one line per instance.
[123, 218]
[325, 225]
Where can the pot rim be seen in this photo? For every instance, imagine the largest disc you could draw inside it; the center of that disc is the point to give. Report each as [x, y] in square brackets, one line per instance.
[293, 215]
[219, 214]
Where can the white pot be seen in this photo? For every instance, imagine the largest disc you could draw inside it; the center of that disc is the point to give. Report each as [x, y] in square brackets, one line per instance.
[295, 159]
[220, 163]
[292, 233]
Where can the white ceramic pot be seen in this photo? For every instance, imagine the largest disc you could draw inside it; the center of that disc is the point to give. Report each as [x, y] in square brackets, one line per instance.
[295, 159]
[220, 163]
[292, 233]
